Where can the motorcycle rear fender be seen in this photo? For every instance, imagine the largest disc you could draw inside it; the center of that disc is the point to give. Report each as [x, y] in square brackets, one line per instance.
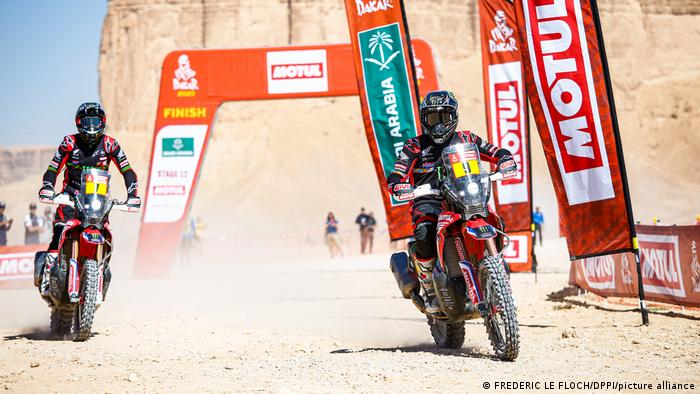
[479, 229]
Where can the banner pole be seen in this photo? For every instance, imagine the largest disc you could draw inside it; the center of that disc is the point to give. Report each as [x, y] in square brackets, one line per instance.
[529, 181]
[410, 55]
[621, 160]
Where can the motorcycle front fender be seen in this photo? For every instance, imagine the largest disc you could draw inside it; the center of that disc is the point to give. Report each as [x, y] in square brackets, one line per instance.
[479, 229]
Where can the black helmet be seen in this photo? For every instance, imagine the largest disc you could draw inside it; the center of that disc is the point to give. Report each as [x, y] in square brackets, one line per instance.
[438, 115]
[90, 120]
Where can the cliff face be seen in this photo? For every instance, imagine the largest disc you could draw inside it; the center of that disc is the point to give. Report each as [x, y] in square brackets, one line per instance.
[654, 63]
[17, 163]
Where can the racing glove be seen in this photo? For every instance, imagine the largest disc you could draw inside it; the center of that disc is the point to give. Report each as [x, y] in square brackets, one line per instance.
[46, 192]
[401, 188]
[133, 202]
[506, 165]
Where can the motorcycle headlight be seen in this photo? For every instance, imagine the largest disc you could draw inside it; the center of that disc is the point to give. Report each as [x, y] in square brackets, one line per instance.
[473, 188]
[96, 205]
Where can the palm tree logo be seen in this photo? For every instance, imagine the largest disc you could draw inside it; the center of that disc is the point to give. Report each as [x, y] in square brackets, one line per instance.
[380, 40]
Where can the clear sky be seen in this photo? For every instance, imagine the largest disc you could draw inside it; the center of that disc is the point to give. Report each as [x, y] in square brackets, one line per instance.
[49, 51]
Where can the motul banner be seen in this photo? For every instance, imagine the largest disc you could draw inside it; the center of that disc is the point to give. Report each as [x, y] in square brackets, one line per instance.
[567, 87]
[670, 268]
[506, 108]
[388, 95]
[17, 265]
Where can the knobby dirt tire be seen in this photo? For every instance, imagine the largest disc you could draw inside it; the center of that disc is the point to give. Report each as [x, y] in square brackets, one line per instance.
[61, 321]
[504, 334]
[85, 310]
[447, 335]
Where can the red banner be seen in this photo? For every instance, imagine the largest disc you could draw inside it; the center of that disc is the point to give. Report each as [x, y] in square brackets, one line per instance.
[506, 108]
[17, 265]
[388, 92]
[566, 83]
[669, 261]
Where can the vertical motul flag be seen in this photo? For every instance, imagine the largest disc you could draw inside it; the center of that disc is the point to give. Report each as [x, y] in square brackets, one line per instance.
[507, 122]
[388, 92]
[506, 107]
[566, 83]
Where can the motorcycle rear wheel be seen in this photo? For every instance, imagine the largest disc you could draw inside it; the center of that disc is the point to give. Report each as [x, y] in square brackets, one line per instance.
[447, 335]
[501, 323]
[61, 321]
[85, 309]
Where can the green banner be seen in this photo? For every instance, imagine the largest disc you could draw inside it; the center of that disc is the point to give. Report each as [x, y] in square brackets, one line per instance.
[388, 88]
[178, 147]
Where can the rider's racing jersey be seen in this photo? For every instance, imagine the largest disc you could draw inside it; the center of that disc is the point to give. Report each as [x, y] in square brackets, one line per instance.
[75, 155]
[418, 161]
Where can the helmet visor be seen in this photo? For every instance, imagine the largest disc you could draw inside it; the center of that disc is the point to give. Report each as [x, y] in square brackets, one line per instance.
[432, 119]
[91, 124]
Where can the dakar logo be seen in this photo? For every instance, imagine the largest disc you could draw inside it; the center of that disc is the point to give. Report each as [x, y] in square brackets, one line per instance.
[695, 267]
[185, 75]
[502, 39]
[368, 7]
[381, 40]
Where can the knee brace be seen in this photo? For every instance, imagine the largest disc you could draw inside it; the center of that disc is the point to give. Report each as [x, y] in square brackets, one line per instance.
[425, 233]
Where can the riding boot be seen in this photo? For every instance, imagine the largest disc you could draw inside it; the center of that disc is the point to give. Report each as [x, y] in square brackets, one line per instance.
[49, 262]
[425, 277]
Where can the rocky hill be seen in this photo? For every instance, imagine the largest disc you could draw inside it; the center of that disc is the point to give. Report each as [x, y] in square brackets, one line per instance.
[654, 62]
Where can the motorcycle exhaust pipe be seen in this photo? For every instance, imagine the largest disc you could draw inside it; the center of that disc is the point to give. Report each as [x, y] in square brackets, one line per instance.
[406, 278]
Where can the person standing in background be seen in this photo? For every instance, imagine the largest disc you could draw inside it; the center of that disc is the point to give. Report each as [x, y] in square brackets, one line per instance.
[538, 221]
[697, 220]
[370, 231]
[33, 226]
[332, 235]
[5, 225]
[47, 221]
[362, 220]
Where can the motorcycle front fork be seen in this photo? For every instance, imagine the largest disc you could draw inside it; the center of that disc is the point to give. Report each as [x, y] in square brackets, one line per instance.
[74, 274]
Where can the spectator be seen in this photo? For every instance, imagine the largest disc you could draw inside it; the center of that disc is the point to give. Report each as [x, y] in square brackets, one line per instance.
[655, 221]
[187, 241]
[363, 221]
[5, 225]
[697, 220]
[538, 221]
[47, 219]
[370, 231]
[332, 235]
[33, 226]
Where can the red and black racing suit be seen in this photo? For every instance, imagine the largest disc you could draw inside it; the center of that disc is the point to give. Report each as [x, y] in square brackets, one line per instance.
[74, 155]
[418, 161]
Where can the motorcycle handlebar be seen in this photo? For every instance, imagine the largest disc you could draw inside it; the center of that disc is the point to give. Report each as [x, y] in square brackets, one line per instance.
[66, 199]
[426, 190]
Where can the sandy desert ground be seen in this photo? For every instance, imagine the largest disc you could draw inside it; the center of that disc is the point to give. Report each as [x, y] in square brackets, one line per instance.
[324, 325]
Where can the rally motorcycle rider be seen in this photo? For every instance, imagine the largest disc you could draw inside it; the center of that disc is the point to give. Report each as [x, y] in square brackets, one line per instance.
[419, 160]
[90, 147]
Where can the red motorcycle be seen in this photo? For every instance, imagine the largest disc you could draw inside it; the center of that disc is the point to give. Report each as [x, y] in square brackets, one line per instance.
[79, 277]
[470, 276]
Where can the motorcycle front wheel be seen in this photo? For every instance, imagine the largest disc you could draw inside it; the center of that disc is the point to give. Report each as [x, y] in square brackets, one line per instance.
[85, 309]
[501, 321]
